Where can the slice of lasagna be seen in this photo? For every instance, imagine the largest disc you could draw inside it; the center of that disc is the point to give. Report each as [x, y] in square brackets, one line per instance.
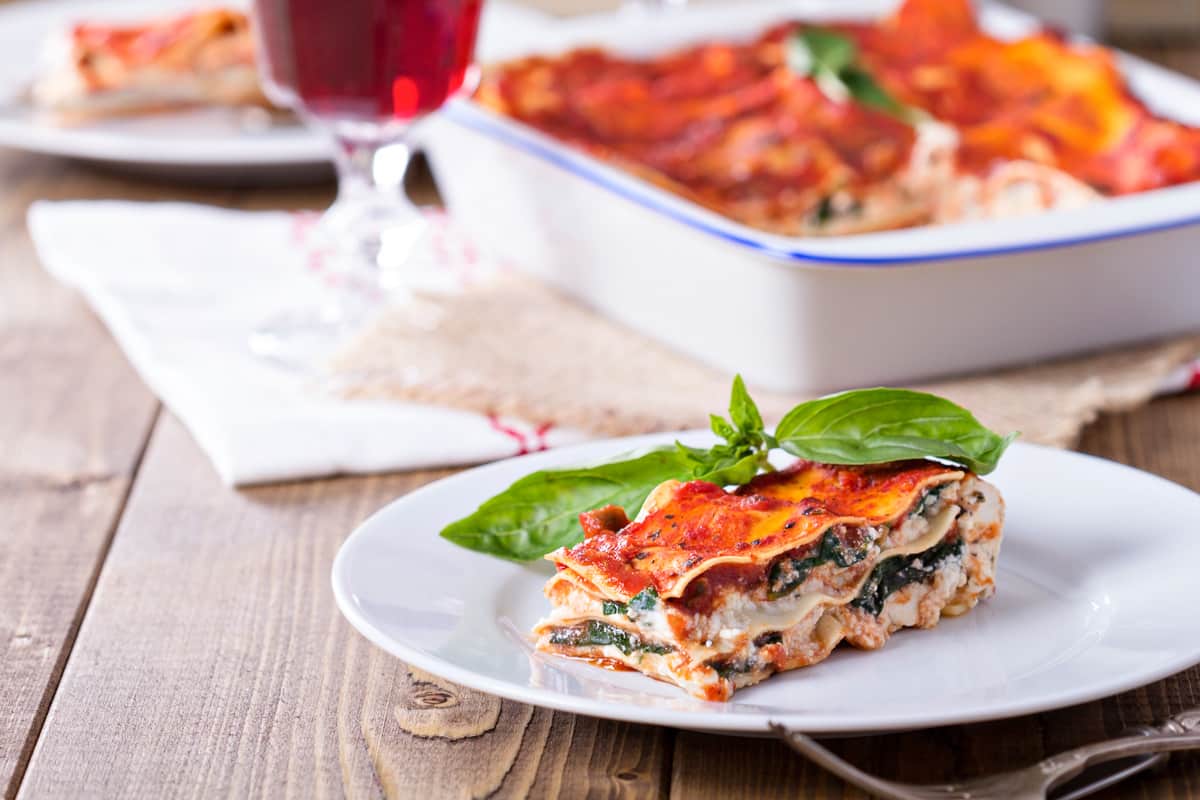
[200, 58]
[713, 590]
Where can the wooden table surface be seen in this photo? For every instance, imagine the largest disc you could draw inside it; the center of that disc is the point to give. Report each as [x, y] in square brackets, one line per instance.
[163, 635]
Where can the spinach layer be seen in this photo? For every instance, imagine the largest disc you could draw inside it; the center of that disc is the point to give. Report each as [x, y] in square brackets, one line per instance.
[599, 634]
[899, 571]
[727, 669]
[788, 573]
[645, 600]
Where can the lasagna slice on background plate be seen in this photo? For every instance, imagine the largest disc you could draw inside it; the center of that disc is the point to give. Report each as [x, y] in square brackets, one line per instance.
[100, 70]
[713, 590]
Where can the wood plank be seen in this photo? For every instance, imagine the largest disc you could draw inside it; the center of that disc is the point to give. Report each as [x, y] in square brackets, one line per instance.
[1163, 438]
[214, 658]
[73, 420]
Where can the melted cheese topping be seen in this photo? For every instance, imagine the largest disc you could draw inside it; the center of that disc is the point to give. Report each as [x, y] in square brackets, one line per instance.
[693, 527]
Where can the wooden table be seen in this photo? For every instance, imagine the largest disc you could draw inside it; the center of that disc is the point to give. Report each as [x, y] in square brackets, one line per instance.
[163, 635]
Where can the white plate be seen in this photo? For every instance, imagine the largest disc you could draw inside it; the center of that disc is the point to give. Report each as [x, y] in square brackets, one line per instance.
[213, 144]
[1095, 596]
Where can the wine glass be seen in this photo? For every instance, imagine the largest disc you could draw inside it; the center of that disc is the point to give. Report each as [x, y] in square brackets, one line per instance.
[362, 72]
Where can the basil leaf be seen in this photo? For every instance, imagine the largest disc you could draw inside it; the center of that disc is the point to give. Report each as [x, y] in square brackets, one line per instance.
[743, 411]
[815, 49]
[863, 88]
[721, 428]
[873, 426]
[831, 60]
[697, 456]
[540, 512]
[732, 471]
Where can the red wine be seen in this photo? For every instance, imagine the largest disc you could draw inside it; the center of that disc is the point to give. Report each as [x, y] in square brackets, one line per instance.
[369, 60]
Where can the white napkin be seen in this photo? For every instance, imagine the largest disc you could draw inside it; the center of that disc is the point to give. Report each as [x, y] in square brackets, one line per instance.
[182, 286]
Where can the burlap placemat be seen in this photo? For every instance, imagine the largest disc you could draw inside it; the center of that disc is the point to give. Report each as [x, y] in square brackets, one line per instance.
[514, 347]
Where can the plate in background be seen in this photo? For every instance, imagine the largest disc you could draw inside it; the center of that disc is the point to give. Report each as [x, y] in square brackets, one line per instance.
[1094, 597]
[213, 144]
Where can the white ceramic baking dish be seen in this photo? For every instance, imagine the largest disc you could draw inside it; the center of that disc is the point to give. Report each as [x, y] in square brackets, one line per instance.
[811, 314]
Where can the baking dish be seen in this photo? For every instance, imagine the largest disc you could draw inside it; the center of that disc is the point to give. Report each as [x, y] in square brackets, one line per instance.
[814, 314]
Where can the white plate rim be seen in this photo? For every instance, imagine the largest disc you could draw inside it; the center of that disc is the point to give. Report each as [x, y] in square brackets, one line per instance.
[717, 721]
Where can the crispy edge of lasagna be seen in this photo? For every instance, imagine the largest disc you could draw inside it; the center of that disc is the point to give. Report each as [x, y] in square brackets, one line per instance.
[936, 558]
[95, 70]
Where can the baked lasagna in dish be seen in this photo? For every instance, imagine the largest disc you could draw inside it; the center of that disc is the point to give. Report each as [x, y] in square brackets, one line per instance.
[1003, 127]
[200, 58]
[713, 590]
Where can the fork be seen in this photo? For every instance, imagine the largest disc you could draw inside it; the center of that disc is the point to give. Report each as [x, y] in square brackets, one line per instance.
[1180, 732]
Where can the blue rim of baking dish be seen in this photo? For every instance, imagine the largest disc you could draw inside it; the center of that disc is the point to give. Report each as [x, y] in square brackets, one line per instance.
[469, 115]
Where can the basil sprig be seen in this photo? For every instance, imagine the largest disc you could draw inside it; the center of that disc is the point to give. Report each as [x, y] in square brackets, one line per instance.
[744, 453]
[539, 513]
[831, 60]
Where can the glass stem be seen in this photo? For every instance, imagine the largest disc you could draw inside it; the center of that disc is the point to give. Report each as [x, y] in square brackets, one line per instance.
[372, 218]
[367, 167]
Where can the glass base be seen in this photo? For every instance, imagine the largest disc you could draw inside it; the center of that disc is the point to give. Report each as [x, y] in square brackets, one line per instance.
[362, 248]
[303, 340]
[370, 244]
